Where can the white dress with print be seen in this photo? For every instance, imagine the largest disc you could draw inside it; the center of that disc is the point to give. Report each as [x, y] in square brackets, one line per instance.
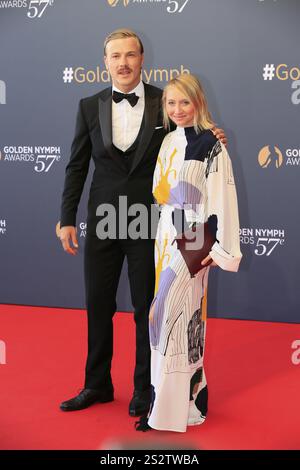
[194, 175]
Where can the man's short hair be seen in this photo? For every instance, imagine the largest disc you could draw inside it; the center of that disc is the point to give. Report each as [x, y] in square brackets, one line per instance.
[123, 33]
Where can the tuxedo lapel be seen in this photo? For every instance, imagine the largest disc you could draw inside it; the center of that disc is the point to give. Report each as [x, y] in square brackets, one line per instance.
[152, 104]
[105, 119]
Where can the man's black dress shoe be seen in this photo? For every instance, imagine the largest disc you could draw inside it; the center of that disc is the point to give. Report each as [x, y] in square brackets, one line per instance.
[86, 398]
[140, 403]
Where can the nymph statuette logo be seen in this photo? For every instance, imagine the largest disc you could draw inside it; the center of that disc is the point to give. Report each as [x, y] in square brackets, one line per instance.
[270, 156]
[114, 3]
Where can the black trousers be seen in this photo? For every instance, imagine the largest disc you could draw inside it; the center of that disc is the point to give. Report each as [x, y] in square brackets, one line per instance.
[102, 264]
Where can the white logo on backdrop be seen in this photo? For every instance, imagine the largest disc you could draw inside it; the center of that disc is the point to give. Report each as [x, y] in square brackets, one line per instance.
[35, 8]
[264, 240]
[43, 157]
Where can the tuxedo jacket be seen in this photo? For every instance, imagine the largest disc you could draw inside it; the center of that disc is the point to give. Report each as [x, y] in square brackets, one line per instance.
[111, 178]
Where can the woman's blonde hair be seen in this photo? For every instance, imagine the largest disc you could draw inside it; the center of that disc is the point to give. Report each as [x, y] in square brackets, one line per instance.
[123, 33]
[191, 87]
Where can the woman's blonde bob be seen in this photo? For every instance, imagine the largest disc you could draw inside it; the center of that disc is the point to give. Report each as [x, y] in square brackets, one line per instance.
[191, 87]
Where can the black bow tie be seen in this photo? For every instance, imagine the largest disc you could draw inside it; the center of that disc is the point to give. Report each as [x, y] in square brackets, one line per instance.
[132, 98]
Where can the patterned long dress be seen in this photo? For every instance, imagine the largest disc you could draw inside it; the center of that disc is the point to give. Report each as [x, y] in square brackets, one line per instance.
[193, 174]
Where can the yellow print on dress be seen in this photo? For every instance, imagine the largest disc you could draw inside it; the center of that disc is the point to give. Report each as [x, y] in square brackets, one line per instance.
[159, 265]
[162, 189]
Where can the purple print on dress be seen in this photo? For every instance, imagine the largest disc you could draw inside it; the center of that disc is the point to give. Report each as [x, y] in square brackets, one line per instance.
[166, 279]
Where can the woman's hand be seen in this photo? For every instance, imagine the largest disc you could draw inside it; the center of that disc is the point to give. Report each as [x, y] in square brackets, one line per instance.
[220, 135]
[206, 260]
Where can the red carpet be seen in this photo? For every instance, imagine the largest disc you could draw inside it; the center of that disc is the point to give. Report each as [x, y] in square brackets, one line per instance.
[253, 386]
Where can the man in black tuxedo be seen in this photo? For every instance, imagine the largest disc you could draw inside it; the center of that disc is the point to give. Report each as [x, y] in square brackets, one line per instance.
[123, 135]
[121, 129]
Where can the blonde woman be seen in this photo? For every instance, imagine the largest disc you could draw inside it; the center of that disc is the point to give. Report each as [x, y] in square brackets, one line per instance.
[194, 175]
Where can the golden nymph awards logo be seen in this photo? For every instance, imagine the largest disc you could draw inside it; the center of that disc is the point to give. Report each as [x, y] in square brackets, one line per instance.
[270, 156]
[113, 3]
[173, 6]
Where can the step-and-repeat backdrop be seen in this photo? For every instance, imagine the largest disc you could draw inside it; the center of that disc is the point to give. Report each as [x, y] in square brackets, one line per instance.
[246, 53]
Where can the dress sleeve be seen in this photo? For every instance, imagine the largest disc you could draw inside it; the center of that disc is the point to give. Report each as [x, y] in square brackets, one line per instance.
[222, 202]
